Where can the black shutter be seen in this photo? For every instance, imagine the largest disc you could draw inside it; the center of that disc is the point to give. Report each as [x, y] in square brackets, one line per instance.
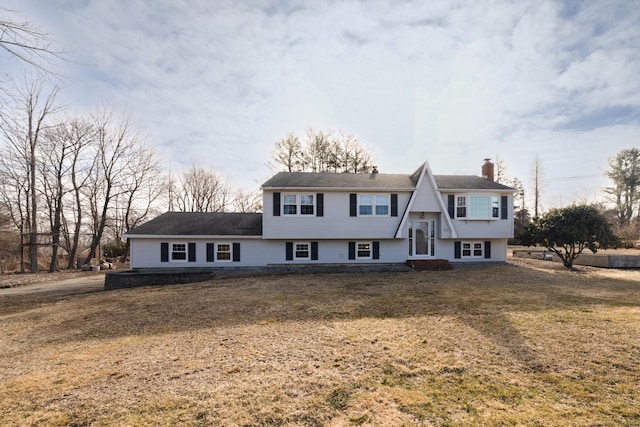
[451, 205]
[314, 251]
[353, 204]
[457, 249]
[192, 252]
[210, 252]
[376, 250]
[320, 204]
[352, 250]
[504, 207]
[394, 205]
[289, 251]
[276, 204]
[164, 252]
[236, 252]
[487, 249]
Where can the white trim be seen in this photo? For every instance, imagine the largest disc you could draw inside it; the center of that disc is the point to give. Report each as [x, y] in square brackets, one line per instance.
[467, 198]
[299, 204]
[373, 205]
[432, 223]
[190, 237]
[339, 189]
[471, 249]
[295, 251]
[186, 251]
[364, 242]
[216, 250]
[476, 190]
[444, 211]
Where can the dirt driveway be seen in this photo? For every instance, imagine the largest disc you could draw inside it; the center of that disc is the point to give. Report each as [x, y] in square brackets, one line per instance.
[59, 288]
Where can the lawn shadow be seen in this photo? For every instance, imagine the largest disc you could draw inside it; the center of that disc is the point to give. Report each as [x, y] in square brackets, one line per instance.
[479, 296]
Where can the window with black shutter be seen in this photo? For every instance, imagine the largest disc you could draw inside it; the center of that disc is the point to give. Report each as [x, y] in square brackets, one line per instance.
[164, 252]
[276, 204]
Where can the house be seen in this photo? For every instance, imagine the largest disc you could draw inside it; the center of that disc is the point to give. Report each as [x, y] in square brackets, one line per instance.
[341, 218]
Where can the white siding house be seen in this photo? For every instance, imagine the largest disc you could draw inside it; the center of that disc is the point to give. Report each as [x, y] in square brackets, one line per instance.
[340, 218]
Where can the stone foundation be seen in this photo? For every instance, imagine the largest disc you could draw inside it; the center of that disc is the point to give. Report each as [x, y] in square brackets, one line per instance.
[429, 264]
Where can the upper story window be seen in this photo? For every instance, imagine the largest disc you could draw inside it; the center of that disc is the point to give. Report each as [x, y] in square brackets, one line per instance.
[477, 206]
[306, 204]
[373, 205]
[298, 204]
[461, 207]
[289, 204]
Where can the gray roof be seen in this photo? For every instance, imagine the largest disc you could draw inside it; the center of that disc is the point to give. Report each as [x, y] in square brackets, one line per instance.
[377, 181]
[202, 224]
[339, 180]
[467, 182]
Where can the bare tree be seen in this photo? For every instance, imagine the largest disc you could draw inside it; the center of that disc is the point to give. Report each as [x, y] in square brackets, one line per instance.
[66, 163]
[316, 150]
[501, 175]
[322, 151]
[201, 190]
[23, 41]
[142, 185]
[247, 201]
[116, 140]
[357, 158]
[288, 154]
[13, 191]
[537, 186]
[22, 130]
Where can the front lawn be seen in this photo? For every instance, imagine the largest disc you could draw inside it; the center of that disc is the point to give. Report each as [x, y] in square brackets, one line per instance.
[510, 345]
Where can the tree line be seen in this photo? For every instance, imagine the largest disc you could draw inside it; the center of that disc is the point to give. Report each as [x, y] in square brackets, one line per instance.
[321, 151]
[70, 181]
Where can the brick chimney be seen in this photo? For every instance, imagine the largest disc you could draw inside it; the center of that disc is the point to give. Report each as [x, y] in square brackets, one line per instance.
[487, 170]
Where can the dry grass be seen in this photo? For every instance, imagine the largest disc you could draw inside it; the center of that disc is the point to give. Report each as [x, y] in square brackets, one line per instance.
[518, 344]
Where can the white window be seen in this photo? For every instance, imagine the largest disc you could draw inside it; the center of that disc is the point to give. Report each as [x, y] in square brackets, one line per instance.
[370, 205]
[289, 204]
[461, 207]
[495, 207]
[472, 250]
[178, 252]
[363, 250]
[302, 251]
[306, 204]
[478, 206]
[365, 205]
[382, 205]
[223, 252]
[298, 204]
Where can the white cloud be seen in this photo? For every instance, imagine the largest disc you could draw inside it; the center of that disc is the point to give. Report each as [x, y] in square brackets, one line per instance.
[220, 82]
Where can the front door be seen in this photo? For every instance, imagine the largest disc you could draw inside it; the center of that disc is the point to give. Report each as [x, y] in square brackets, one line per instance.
[422, 238]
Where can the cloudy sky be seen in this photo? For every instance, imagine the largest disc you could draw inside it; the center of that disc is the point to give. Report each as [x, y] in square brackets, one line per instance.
[218, 82]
